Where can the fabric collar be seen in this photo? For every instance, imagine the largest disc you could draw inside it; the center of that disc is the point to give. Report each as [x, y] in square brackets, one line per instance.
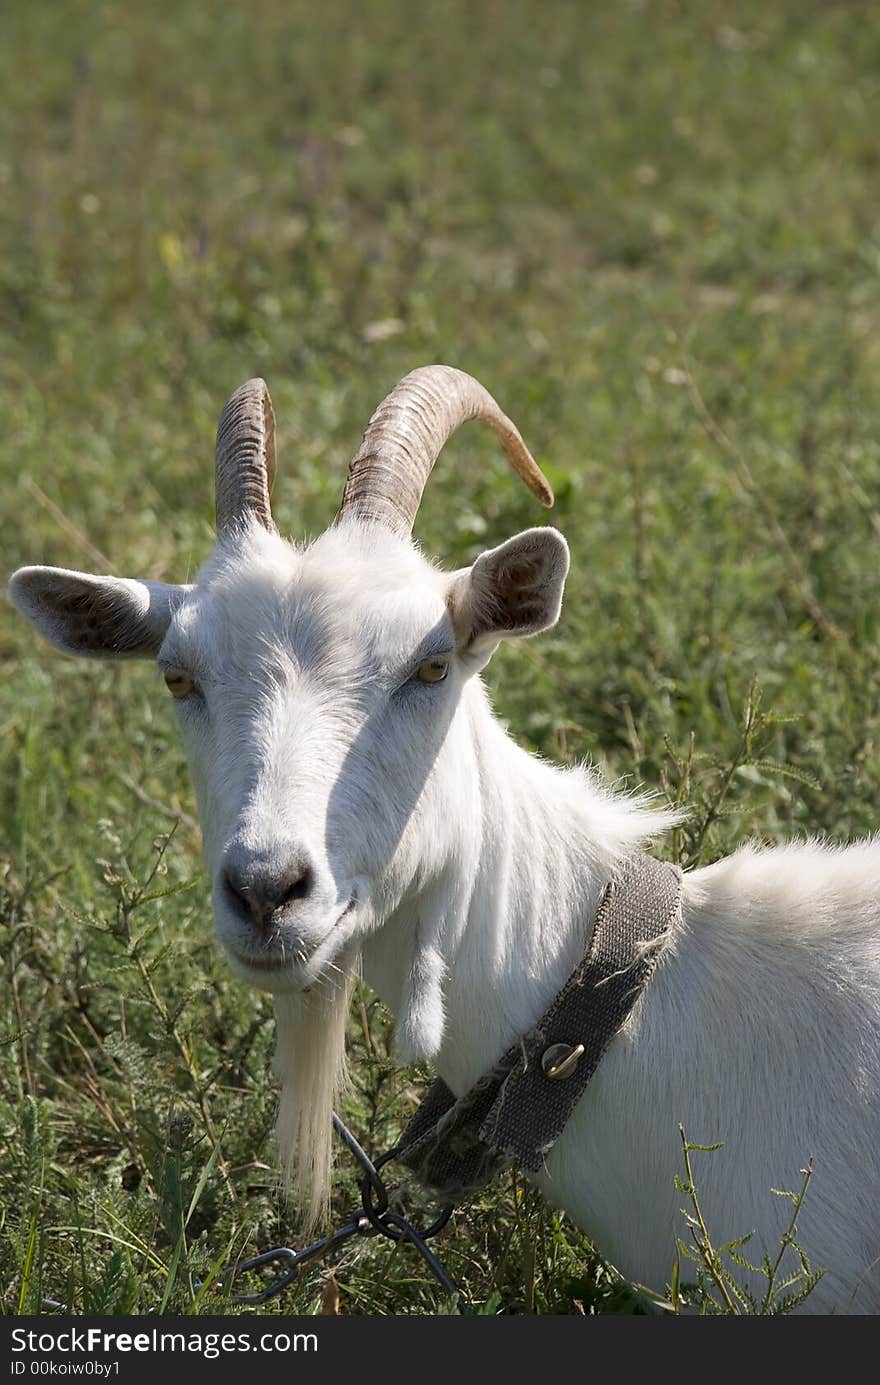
[517, 1110]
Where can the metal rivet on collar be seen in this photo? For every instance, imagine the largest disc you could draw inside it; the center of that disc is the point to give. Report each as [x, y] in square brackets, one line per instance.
[560, 1060]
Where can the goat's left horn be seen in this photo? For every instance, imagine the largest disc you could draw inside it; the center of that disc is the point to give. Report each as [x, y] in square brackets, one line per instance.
[244, 468]
[387, 475]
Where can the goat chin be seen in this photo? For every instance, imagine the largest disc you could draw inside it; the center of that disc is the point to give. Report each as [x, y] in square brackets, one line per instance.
[310, 1064]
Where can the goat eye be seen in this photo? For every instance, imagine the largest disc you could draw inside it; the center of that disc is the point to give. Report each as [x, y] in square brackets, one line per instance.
[178, 682]
[432, 670]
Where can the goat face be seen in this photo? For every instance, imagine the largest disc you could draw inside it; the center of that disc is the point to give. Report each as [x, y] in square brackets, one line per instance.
[317, 720]
[322, 694]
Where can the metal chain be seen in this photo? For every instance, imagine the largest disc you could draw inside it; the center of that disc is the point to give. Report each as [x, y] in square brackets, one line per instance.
[375, 1217]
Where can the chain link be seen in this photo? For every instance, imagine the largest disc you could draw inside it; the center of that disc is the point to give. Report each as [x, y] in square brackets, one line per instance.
[375, 1217]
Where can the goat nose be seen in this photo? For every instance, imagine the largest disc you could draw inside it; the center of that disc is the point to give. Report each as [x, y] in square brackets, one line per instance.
[258, 890]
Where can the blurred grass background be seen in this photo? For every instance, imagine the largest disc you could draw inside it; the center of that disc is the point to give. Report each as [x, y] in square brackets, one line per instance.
[652, 230]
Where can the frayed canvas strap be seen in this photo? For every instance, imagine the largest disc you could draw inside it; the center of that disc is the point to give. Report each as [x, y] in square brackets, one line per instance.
[517, 1110]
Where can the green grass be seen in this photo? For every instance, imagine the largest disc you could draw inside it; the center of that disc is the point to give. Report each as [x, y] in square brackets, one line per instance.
[652, 230]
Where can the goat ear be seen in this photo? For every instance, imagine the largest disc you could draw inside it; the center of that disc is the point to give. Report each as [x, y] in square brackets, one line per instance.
[100, 617]
[512, 590]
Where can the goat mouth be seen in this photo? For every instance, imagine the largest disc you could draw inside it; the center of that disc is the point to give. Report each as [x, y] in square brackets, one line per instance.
[264, 963]
[281, 960]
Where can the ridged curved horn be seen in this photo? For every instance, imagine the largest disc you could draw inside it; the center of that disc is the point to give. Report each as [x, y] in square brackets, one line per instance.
[244, 467]
[389, 472]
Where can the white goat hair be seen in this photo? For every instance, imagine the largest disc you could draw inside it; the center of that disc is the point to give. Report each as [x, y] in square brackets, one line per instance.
[361, 806]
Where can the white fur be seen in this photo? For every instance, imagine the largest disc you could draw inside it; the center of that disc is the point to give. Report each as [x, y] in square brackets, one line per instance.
[465, 874]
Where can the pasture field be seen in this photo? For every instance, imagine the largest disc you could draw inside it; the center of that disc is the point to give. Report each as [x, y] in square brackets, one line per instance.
[652, 230]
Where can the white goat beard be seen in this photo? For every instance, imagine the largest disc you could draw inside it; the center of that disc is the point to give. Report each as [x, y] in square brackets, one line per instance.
[310, 1063]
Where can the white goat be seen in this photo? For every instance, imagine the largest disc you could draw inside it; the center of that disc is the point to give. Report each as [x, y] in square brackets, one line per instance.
[360, 804]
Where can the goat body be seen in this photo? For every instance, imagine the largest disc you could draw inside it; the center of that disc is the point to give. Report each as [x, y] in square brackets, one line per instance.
[760, 1028]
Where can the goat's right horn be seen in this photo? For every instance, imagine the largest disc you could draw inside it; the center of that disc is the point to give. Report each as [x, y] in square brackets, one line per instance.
[388, 474]
[244, 467]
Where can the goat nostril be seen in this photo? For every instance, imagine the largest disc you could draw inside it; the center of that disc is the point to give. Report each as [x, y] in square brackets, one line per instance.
[261, 901]
[237, 897]
[297, 889]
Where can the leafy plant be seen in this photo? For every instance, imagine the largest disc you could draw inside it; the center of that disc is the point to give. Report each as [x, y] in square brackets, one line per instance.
[719, 1286]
